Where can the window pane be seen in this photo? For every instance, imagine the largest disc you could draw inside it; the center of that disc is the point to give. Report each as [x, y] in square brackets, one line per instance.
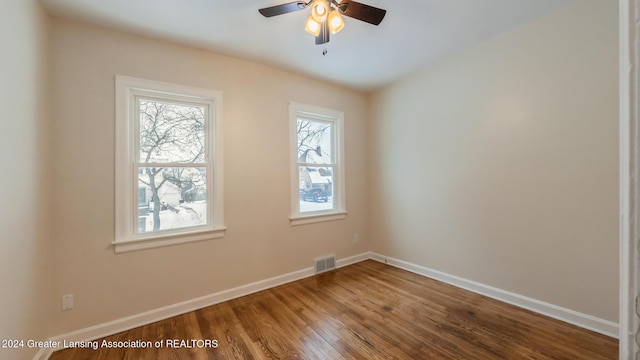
[316, 188]
[171, 132]
[171, 198]
[314, 142]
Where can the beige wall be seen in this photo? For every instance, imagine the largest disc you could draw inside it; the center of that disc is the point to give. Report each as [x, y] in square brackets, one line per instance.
[500, 164]
[24, 175]
[259, 243]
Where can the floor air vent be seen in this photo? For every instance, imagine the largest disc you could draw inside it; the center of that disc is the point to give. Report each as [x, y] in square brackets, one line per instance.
[325, 263]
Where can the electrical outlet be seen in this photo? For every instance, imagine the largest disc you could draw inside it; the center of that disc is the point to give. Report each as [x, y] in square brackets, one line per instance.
[67, 302]
[356, 238]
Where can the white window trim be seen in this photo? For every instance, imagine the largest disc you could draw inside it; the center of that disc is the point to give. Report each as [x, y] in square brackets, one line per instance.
[126, 88]
[337, 118]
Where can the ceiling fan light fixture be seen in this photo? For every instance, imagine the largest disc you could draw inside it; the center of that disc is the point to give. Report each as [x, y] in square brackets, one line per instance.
[313, 27]
[327, 16]
[336, 23]
[320, 10]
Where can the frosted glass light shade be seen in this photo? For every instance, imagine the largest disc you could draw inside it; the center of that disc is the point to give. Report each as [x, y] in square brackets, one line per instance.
[336, 23]
[320, 10]
[313, 27]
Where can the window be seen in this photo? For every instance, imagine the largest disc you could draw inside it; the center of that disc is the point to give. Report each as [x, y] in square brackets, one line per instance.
[168, 164]
[317, 174]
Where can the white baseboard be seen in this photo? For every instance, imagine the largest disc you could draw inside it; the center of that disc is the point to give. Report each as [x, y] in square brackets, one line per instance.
[148, 317]
[589, 322]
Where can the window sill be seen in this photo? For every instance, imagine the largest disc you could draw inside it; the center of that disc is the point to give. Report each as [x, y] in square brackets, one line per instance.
[123, 246]
[316, 218]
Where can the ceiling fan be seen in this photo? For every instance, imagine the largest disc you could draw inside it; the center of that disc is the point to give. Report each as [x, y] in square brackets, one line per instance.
[326, 16]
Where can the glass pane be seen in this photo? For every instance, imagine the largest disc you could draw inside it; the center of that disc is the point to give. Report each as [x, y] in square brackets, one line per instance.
[171, 132]
[171, 198]
[314, 142]
[316, 188]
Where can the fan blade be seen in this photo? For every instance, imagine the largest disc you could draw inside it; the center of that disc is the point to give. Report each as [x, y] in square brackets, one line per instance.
[283, 9]
[366, 13]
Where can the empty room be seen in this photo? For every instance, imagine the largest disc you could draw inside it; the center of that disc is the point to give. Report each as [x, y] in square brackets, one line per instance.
[267, 179]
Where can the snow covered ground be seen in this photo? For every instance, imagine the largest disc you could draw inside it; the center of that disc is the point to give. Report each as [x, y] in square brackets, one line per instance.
[306, 206]
[183, 215]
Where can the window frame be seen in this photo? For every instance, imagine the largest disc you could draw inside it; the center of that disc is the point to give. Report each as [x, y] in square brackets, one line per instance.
[336, 118]
[127, 92]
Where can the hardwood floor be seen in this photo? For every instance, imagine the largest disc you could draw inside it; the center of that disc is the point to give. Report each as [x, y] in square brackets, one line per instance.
[364, 311]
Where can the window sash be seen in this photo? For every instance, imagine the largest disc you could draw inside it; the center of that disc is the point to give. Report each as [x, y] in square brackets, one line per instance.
[209, 121]
[209, 200]
[332, 136]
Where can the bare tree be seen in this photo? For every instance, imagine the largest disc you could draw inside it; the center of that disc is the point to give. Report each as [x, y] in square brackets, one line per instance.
[310, 136]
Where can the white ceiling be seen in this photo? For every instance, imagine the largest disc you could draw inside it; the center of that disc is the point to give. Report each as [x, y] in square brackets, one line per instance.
[363, 56]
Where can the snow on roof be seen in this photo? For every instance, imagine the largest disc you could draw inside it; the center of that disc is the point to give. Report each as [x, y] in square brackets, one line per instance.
[316, 178]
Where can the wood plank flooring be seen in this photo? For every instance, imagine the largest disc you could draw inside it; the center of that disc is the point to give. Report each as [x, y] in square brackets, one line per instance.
[364, 311]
